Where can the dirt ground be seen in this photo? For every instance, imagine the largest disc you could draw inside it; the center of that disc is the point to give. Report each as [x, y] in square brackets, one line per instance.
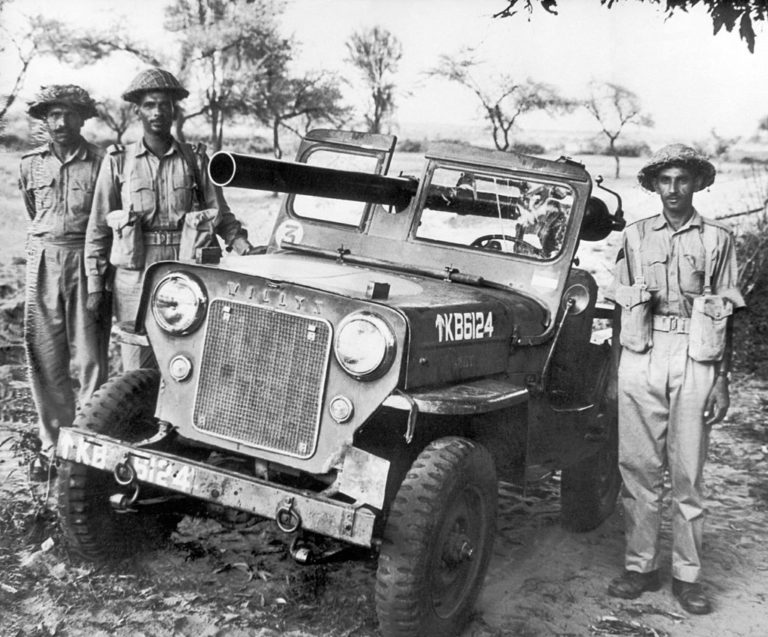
[218, 582]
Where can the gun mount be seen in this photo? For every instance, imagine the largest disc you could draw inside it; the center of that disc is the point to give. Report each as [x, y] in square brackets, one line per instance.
[245, 171]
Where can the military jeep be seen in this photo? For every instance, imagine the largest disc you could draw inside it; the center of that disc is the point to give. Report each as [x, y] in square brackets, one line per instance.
[399, 346]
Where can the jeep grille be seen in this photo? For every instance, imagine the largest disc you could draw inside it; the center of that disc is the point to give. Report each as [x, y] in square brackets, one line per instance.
[262, 376]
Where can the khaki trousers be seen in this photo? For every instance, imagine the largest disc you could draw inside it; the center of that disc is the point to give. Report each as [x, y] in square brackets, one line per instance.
[661, 426]
[59, 330]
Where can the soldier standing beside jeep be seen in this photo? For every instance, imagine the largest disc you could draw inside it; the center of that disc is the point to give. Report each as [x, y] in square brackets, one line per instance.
[676, 289]
[56, 181]
[153, 202]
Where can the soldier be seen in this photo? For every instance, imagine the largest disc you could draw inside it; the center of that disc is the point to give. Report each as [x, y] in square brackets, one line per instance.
[56, 181]
[153, 201]
[676, 289]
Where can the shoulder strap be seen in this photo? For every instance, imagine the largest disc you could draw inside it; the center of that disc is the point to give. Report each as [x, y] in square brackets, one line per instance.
[39, 150]
[124, 162]
[189, 157]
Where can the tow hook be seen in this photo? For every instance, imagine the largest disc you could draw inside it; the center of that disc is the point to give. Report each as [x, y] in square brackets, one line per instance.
[307, 553]
[125, 475]
[122, 502]
[124, 472]
[286, 517]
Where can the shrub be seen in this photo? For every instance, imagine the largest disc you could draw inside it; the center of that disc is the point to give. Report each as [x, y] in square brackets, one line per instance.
[630, 149]
[13, 142]
[411, 146]
[751, 339]
[528, 148]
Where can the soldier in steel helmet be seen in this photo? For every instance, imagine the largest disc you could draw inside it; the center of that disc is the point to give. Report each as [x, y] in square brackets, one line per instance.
[150, 198]
[675, 292]
[57, 181]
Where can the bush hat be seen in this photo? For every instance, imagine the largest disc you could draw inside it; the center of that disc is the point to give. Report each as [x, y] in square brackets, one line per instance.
[154, 79]
[65, 95]
[677, 155]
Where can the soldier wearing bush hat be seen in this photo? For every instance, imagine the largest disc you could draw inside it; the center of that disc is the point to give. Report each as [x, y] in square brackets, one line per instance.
[677, 155]
[153, 202]
[57, 181]
[69, 95]
[675, 292]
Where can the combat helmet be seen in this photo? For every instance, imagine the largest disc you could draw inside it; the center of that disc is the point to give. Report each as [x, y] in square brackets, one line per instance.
[154, 79]
[64, 94]
[677, 155]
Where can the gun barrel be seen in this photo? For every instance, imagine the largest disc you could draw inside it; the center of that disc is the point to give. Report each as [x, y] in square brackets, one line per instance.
[245, 171]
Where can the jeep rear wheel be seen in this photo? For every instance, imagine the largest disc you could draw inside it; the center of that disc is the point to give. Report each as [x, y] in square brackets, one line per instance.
[124, 408]
[437, 541]
[588, 489]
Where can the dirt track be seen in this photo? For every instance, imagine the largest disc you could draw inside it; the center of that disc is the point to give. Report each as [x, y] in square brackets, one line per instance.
[544, 581]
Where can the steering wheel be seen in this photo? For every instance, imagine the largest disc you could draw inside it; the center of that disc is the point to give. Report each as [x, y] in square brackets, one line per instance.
[491, 242]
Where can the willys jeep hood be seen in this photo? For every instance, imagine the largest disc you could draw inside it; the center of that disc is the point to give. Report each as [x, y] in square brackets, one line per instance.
[456, 331]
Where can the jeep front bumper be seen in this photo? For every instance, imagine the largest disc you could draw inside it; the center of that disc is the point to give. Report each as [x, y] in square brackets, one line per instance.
[305, 509]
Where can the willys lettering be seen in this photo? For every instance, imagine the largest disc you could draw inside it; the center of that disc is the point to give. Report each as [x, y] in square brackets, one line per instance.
[463, 326]
[275, 297]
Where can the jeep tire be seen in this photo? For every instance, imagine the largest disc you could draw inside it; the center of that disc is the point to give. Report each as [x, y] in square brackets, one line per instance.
[589, 488]
[437, 542]
[122, 408]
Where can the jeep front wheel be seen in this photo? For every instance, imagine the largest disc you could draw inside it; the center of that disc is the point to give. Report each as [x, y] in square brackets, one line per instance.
[123, 408]
[437, 541]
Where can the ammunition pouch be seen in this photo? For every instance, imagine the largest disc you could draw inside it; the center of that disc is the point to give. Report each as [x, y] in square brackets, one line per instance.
[709, 318]
[127, 240]
[636, 318]
[198, 231]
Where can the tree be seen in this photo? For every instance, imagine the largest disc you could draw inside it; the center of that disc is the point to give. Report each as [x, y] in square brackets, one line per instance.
[614, 107]
[278, 100]
[34, 37]
[225, 46]
[376, 53]
[503, 99]
[724, 13]
[117, 115]
[721, 146]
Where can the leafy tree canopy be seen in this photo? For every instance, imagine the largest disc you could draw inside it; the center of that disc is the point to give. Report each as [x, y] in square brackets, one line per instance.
[724, 13]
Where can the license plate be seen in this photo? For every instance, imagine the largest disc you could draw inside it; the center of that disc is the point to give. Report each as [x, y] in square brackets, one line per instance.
[153, 469]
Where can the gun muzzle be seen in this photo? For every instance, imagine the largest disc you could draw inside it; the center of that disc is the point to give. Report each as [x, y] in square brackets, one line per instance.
[245, 171]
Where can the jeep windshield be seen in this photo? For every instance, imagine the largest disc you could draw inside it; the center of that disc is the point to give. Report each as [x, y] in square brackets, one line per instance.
[491, 211]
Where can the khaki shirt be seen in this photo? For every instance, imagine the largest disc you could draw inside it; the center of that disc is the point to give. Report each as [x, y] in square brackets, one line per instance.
[673, 262]
[161, 191]
[57, 194]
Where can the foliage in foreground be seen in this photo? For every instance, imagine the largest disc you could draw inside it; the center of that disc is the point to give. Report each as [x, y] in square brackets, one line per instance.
[724, 13]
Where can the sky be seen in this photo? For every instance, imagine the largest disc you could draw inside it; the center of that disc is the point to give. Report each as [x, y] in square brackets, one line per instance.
[690, 81]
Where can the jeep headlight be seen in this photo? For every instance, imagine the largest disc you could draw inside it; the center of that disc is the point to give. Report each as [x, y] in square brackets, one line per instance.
[364, 345]
[178, 303]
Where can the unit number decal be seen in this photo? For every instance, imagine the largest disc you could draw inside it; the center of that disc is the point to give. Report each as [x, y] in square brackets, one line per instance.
[463, 326]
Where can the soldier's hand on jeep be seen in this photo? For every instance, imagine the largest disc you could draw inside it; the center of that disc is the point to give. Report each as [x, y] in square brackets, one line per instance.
[94, 302]
[717, 403]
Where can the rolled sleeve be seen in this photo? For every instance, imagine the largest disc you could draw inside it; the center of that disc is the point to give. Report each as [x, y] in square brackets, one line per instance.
[727, 272]
[26, 192]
